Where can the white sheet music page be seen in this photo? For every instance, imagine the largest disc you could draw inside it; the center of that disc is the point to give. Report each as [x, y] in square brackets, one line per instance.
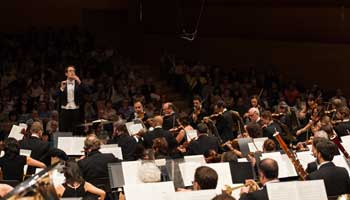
[187, 170]
[25, 152]
[71, 145]
[297, 190]
[130, 172]
[113, 149]
[278, 158]
[195, 158]
[133, 128]
[191, 134]
[16, 132]
[340, 161]
[305, 158]
[224, 173]
[194, 195]
[149, 191]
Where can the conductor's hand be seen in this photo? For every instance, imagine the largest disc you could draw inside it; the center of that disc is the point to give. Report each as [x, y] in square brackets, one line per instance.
[77, 79]
[63, 85]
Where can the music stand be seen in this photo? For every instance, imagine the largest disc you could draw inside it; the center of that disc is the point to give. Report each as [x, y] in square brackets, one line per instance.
[240, 171]
[60, 134]
[243, 145]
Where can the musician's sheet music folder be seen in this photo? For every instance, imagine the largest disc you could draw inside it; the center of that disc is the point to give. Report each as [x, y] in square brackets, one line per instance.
[297, 190]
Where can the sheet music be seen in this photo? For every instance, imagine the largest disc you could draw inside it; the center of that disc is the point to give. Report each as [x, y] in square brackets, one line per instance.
[71, 145]
[195, 195]
[285, 167]
[305, 158]
[224, 173]
[258, 144]
[242, 160]
[23, 125]
[296, 190]
[130, 172]
[191, 134]
[16, 132]
[25, 152]
[262, 139]
[345, 139]
[160, 162]
[113, 149]
[195, 158]
[340, 161]
[187, 170]
[149, 191]
[133, 128]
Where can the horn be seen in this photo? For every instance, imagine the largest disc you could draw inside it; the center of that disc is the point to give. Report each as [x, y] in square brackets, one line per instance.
[39, 187]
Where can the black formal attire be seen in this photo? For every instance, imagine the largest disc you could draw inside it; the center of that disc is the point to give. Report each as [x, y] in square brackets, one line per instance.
[270, 130]
[159, 132]
[71, 192]
[95, 166]
[69, 116]
[127, 144]
[336, 179]
[311, 167]
[224, 125]
[169, 121]
[203, 144]
[41, 151]
[257, 195]
[342, 129]
[200, 117]
[12, 167]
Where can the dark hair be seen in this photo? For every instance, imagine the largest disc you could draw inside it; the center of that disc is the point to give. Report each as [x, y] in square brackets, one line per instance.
[269, 168]
[198, 98]
[66, 69]
[11, 147]
[206, 177]
[160, 146]
[229, 156]
[269, 145]
[221, 104]
[266, 115]
[254, 130]
[202, 128]
[317, 140]
[72, 173]
[223, 196]
[327, 149]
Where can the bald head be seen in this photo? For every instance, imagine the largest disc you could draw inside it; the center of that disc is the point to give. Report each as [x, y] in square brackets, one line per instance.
[158, 120]
[268, 169]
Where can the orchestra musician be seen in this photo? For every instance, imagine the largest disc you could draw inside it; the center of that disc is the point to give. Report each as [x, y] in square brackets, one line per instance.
[268, 173]
[336, 179]
[269, 126]
[139, 113]
[342, 127]
[169, 116]
[198, 112]
[204, 142]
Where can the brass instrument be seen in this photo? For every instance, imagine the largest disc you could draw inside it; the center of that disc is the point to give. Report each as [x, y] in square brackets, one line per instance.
[38, 187]
[298, 167]
[253, 187]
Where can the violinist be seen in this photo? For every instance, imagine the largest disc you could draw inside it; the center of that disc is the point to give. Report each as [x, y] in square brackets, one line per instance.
[204, 142]
[169, 116]
[198, 112]
[342, 128]
[139, 113]
[225, 123]
[269, 126]
[159, 132]
[313, 125]
[254, 115]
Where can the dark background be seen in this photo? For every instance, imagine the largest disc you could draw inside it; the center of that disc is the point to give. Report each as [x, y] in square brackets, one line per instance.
[307, 40]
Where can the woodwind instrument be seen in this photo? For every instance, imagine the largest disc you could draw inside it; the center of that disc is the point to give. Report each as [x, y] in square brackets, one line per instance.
[298, 167]
[334, 138]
